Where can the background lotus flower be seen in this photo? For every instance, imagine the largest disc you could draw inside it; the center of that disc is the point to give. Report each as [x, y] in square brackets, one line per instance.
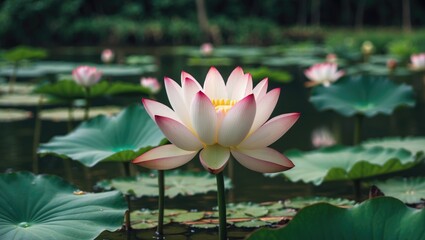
[86, 76]
[107, 55]
[418, 62]
[207, 49]
[322, 73]
[322, 137]
[218, 120]
[331, 58]
[151, 83]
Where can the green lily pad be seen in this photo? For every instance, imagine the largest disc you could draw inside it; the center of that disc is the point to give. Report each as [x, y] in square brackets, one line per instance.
[301, 202]
[362, 95]
[119, 138]
[187, 217]
[139, 59]
[61, 114]
[251, 224]
[146, 219]
[10, 115]
[378, 218]
[274, 75]
[282, 213]
[21, 53]
[22, 100]
[43, 207]
[216, 61]
[345, 163]
[287, 61]
[415, 145]
[408, 190]
[18, 88]
[69, 90]
[176, 183]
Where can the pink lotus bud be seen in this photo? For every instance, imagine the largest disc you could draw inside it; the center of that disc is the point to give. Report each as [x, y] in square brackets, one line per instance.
[418, 62]
[322, 73]
[86, 76]
[391, 64]
[151, 83]
[107, 55]
[322, 138]
[207, 49]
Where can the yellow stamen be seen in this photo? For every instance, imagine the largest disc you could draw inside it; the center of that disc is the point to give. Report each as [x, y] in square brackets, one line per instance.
[223, 104]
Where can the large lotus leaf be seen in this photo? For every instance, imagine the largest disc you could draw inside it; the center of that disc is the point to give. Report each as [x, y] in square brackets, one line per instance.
[408, 190]
[362, 95]
[301, 202]
[416, 145]
[119, 138]
[46, 207]
[68, 89]
[378, 218]
[345, 163]
[176, 183]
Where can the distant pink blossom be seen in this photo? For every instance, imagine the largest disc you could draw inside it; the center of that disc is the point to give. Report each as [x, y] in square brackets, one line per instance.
[418, 62]
[207, 49]
[322, 73]
[331, 58]
[107, 55]
[151, 83]
[86, 76]
[322, 138]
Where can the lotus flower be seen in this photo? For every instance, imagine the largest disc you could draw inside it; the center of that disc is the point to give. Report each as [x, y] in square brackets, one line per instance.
[322, 73]
[151, 83]
[86, 76]
[107, 55]
[218, 120]
[322, 138]
[418, 62]
[207, 49]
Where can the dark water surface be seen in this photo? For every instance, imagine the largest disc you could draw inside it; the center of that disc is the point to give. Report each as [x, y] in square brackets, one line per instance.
[16, 143]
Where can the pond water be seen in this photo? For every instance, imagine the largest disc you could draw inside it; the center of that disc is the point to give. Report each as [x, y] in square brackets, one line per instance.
[16, 141]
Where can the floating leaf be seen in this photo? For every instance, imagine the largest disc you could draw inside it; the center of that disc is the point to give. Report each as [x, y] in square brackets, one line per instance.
[286, 61]
[119, 138]
[408, 190]
[145, 219]
[176, 183]
[10, 115]
[45, 207]
[186, 217]
[62, 114]
[378, 218]
[24, 53]
[274, 75]
[301, 202]
[415, 145]
[22, 100]
[251, 224]
[362, 95]
[139, 59]
[217, 61]
[18, 88]
[345, 163]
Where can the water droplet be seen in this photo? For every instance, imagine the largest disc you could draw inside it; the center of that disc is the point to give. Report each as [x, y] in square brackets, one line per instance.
[24, 225]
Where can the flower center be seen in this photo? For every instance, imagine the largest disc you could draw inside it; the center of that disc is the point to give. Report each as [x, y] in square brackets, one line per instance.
[223, 104]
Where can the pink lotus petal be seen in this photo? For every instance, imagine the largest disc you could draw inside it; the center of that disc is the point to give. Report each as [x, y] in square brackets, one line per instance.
[249, 86]
[177, 101]
[178, 134]
[185, 75]
[261, 89]
[264, 160]
[164, 157]
[270, 132]
[237, 122]
[237, 84]
[190, 88]
[156, 108]
[214, 86]
[265, 107]
[214, 158]
[204, 118]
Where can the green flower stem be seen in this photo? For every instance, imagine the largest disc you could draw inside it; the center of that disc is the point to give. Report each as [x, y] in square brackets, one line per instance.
[161, 196]
[358, 129]
[86, 111]
[126, 166]
[36, 139]
[221, 206]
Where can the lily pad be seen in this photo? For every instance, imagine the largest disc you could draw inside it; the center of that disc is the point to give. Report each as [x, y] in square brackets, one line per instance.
[216, 61]
[287, 61]
[368, 96]
[301, 202]
[119, 138]
[415, 145]
[176, 183]
[146, 219]
[69, 90]
[22, 100]
[46, 207]
[186, 217]
[251, 224]
[10, 115]
[61, 114]
[274, 75]
[408, 190]
[139, 59]
[345, 163]
[378, 218]
[18, 88]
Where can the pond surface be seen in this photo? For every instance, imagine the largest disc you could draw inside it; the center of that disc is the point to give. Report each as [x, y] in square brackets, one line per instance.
[16, 141]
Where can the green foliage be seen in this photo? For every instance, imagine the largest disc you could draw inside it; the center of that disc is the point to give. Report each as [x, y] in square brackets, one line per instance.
[378, 218]
[22, 53]
[274, 75]
[409, 190]
[402, 48]
[415, 145]
[44, 207]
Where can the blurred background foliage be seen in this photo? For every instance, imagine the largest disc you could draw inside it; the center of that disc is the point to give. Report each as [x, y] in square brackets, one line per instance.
[174, 22]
